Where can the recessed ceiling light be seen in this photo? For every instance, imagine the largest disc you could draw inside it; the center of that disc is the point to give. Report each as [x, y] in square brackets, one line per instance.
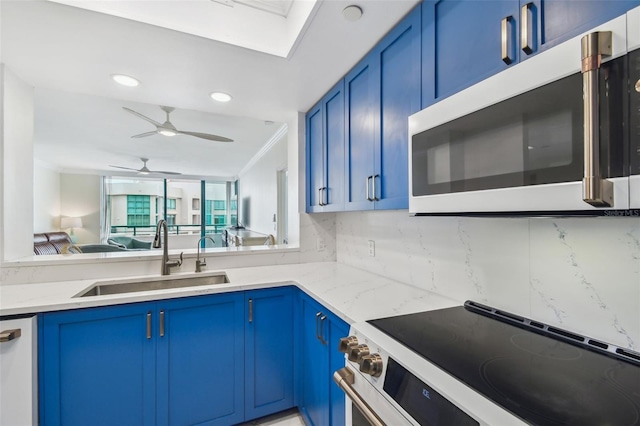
[125, 80]
[352, 13]
[221, 96]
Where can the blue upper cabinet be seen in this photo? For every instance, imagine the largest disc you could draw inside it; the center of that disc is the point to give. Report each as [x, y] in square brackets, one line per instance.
[315, 158]
[325, 153]
[269, 351]
[381, 92]
[549, 22]
[361, 129]
[464, 42]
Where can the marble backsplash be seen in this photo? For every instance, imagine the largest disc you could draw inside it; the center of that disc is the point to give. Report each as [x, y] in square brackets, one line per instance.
[581, 274]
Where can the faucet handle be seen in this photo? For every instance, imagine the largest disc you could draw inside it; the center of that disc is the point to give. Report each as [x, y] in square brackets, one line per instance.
[175, 262]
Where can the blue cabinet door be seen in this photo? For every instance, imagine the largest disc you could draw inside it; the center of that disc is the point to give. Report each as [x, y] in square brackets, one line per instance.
[98, 367]
[269, 351]
[200, 360]
[314, 401]
[315, 159]
[362, 106]
[337, 329]
[333, 109]
[380, 94]
[550, 22]
[325, 153]
[462, 43]
[399, 93]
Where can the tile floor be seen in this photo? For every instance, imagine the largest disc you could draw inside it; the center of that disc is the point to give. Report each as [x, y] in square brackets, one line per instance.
[285, 418]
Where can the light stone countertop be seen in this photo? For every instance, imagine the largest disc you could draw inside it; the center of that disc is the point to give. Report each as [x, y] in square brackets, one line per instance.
[352, 294]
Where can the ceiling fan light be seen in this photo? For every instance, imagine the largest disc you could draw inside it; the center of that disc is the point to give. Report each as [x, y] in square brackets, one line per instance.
[221, 96]
[167, 132]
[125, 80]
[142, 172]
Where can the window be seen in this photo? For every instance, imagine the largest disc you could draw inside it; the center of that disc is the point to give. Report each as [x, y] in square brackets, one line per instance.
[219, 219]
[138, 210]
[171, 204]
[195, 205]
[233, 205]
[195, 219]
[171, 219]
[219, 205]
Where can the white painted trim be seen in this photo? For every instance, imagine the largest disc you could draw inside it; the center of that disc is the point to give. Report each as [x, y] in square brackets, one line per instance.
[633, 29]
[280, 133]
[634, 192]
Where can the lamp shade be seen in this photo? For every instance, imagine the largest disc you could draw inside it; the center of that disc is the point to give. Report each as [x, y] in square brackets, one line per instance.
[70, 222]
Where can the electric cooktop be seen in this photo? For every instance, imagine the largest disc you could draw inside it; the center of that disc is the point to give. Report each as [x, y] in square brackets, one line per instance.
[523, 366]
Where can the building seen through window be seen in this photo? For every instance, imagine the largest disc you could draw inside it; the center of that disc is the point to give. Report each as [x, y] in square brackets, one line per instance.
[133, 206]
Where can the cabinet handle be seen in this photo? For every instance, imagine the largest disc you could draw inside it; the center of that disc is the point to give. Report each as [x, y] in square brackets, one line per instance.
[525, 29]
[595, 190]
[322, 319]
[506, 22]
[375, 196]
[250, 310]
[367, 189]
[8, 335]
[162, 323]
[325, 197]
[148, 325]
[318, 315]
[320, 197]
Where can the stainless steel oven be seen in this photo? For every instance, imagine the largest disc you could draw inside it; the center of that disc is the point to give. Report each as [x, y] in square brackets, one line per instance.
[558, 132]
[476, 365]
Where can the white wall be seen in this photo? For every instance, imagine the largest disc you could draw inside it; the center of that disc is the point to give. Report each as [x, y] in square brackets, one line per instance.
[16, 148]
[46, 198]
[259, 185]
[80, 197]
[582, 274]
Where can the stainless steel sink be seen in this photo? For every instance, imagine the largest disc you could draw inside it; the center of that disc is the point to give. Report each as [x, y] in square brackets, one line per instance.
[105, 288]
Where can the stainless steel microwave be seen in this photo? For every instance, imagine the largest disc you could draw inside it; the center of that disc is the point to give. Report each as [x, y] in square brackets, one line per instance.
[557, 133]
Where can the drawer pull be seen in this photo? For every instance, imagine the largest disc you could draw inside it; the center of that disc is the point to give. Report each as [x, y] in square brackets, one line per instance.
[504, 39]
[525, 29]
[9, 335]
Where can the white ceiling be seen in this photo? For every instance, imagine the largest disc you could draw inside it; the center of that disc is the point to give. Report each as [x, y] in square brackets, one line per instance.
[68, 54]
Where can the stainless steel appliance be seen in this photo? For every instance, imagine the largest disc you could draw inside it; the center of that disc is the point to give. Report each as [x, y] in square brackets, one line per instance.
[475, 365]
[525, 140]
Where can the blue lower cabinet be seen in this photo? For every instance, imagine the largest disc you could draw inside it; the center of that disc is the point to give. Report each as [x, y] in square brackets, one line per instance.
[269, 351]
[321, 401]
[200, 373]
[97, 367]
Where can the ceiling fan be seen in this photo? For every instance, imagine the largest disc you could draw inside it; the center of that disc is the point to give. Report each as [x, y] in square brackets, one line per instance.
[168, 129]
[145, 170]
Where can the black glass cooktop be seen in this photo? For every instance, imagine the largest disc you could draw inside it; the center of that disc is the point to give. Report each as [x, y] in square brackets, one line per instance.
[540, 379]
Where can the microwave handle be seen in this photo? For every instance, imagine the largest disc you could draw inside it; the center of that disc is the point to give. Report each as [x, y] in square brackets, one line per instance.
[595, 190]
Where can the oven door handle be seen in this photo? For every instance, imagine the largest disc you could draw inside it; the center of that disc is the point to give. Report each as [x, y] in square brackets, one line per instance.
[344, 378]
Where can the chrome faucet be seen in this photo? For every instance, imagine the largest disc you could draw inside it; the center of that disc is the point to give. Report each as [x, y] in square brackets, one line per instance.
[203, 262]
[167, 264]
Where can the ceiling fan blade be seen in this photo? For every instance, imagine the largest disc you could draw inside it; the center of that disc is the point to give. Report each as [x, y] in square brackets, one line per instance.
[144, 117]
[207, 136]
[125, 168]
[143, 135]
[164, 172]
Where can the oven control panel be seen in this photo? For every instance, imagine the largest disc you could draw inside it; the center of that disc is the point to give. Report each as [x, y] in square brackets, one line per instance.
[369, 363]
